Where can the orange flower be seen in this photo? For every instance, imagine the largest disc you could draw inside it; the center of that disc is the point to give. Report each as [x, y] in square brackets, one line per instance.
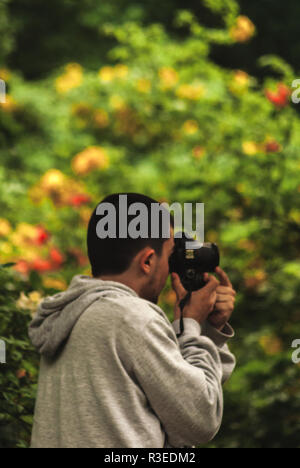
[199, 152]
[53, 180]
[56, 257]
[90, 159]
[100, 118]
[168, 77]
[62, 190]
[21, 373]
[9, 105]
[85, 215]
[41, 265]
[22, 267]
[170, 297]
[243, 30]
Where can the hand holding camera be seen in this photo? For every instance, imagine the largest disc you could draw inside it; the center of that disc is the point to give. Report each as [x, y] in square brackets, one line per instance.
[199, 295]
[201, 303]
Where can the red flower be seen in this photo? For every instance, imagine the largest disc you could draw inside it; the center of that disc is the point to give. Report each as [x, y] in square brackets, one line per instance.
[281, 97]
[272, 147]
[79, 199]
[42, 236]
[56, 257]
[41, 265]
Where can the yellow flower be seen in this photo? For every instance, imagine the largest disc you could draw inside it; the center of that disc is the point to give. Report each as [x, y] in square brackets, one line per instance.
[107, 74]
[117, 102]
[100, 118]
[271, 344]
[5, 74]
[240, 83]
[243, 30]
[9, 105]
[53, 179]
[168, 77]
[190, 91]
[251, 148]
[242, 78]
[190, 127]
[53, 184]
[72, 78]
[5, 228]
[30, 302]
[144, 86]
[6, 248]
[54, 283]
[90, 159]
[121, 71]
[25, 234]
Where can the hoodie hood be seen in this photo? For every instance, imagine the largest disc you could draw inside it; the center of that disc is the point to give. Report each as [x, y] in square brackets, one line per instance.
[57, 315]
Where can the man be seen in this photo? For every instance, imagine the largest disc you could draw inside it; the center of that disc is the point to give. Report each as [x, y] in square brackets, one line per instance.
[113, 373]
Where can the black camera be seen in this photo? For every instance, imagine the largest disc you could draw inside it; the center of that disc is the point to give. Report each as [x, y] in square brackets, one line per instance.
[191, 263]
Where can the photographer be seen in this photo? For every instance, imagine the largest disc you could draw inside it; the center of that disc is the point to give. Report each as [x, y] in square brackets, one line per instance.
[113, 373]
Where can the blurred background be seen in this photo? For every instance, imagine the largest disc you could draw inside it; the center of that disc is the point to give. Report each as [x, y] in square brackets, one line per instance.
[185, 104]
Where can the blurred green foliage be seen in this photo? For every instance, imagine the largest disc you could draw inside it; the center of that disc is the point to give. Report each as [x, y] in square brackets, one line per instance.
[130, 97]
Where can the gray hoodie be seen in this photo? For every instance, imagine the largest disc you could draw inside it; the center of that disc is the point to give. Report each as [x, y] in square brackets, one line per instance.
[113, 373]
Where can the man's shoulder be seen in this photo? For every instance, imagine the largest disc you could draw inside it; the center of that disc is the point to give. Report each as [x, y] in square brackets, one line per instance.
[125, 311]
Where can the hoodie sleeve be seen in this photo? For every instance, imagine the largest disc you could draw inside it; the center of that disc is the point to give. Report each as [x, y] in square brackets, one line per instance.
[182, 381]
[220, 339]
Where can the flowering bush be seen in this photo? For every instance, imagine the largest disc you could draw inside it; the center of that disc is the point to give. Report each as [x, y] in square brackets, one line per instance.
[161, 118]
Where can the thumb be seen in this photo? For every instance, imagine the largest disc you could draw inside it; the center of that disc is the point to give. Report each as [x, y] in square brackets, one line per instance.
[180, 291]
[211, 284]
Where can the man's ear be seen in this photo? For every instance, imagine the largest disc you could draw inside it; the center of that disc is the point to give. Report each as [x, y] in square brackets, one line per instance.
[146, 259]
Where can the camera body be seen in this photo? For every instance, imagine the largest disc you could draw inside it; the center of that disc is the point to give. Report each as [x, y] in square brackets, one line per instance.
[191, 263]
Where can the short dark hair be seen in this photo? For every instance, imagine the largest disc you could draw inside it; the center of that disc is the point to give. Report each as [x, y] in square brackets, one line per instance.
[114, 255]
